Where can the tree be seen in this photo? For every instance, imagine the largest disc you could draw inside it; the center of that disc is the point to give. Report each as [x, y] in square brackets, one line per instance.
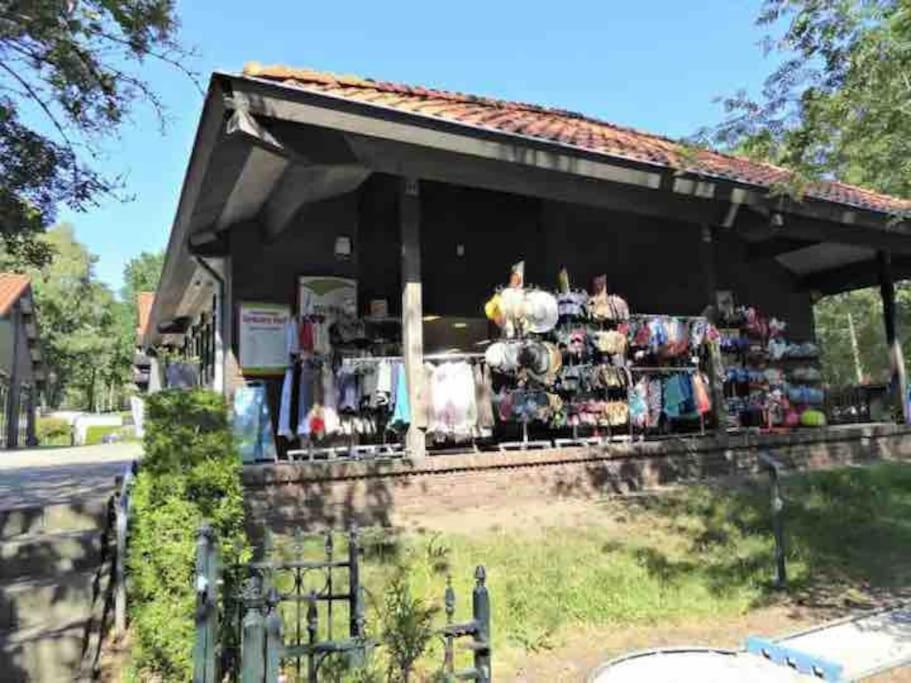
[141, 274]
[68, 78]
[839, 104]
[82, 325]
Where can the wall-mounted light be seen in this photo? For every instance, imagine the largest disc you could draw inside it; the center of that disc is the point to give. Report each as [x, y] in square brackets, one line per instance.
[430, 318]
[460, 250]
[343, 247]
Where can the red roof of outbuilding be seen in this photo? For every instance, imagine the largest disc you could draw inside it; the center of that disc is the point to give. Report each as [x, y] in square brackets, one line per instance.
[567, 128]
[144, 302]
[12, 286]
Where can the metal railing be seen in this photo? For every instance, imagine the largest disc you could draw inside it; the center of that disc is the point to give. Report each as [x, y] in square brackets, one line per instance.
[277, 619]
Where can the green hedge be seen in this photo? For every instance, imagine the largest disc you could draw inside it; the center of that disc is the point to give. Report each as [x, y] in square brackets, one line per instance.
[190, 472]
[53, 431]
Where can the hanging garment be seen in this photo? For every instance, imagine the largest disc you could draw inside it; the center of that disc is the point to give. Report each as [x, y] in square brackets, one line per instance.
[673, 397]
[701, 394]
[654, 401]
[453, 412]
[638, 406]
[349, 398]
[330, 400]
[305, 336]
[401, 417]
[305, 398]
[483, 398]
[284, 409]
[384, 383]
[292, 337]
[368, 385]
[252, 424]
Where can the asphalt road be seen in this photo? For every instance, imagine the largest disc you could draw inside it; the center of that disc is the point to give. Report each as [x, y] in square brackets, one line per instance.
[43, 476]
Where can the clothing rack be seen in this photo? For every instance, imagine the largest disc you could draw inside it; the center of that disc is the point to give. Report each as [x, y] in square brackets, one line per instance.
[643, 316]
[645, 370]
[430, 357]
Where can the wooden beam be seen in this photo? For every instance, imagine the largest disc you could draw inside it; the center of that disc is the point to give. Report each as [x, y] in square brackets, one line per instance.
[899, 381]
[769, 249]
[412, 313]
[756, 227]
[708, 263]
[505, 176]
[853, 276]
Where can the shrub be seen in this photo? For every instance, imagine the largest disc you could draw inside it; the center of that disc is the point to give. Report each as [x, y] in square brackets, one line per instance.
[53, 431]
[190, 472]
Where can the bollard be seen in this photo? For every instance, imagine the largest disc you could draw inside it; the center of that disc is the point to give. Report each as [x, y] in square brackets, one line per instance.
[480, 609]
[273, 637]
[206, 612]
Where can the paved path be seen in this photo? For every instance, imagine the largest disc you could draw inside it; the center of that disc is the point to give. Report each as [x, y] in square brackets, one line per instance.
[41, 476]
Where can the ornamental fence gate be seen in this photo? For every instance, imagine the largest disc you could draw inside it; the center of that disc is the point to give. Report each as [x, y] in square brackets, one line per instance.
[298, 615]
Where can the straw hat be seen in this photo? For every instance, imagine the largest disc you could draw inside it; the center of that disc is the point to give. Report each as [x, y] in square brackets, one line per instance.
[540, 311]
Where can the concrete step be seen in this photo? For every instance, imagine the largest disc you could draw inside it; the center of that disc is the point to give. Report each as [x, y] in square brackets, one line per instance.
[74, 516]
[46, 653]
[36, 556]
[26, 603]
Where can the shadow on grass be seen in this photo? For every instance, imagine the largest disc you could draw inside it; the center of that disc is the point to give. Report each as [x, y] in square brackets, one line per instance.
[848, 536]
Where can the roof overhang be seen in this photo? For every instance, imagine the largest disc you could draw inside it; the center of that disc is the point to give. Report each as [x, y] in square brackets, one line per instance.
[263, 149]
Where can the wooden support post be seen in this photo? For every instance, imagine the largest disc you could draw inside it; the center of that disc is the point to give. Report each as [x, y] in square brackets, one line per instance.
[710, 281]
[412, 313]
[898, 381]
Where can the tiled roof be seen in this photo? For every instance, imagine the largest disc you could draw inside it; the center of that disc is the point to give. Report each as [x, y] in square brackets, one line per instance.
[567, 128]
[144, 309]
[12, 286]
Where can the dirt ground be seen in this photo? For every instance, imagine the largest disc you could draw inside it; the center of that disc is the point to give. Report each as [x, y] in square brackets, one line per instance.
[586, 650]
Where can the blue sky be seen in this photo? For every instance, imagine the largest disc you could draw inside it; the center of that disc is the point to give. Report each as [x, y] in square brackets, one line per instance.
[655, 65]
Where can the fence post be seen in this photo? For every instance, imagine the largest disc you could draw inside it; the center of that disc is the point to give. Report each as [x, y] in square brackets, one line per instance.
[252, 639]
[781, 574]
[355, 608]
[448, 650]
[312, 628]
[206, 608]
[480, 609]
[120, 591]
[273, 637]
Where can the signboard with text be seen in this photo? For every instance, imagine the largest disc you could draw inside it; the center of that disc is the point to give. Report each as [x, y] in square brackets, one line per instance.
[262, 338]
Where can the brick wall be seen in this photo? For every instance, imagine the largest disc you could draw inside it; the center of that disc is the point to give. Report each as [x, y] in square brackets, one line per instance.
[313, 495]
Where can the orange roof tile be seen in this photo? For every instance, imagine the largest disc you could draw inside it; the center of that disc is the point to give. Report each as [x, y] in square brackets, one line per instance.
[12, 286]
[144, 309]
[565, 127]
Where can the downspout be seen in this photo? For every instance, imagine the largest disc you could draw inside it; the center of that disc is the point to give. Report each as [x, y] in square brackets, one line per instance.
[218, 379]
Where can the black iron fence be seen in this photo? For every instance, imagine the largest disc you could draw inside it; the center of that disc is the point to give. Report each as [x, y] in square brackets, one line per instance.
[299, 612]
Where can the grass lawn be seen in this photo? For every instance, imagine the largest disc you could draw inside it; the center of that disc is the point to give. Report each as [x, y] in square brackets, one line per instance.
[574, 582]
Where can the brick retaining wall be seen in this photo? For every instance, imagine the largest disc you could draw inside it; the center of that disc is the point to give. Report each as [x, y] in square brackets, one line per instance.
[314, 495]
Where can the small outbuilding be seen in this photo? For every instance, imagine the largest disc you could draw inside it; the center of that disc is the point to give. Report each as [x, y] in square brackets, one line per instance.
[395, 212]
[22, 373]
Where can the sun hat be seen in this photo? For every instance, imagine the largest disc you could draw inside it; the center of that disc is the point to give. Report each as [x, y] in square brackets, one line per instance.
[535, 357]
[540, 311]
[502, 356]
[493, 309]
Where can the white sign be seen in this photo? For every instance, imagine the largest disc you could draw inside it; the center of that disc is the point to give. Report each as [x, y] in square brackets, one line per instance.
[263, 338]
[327, 296]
